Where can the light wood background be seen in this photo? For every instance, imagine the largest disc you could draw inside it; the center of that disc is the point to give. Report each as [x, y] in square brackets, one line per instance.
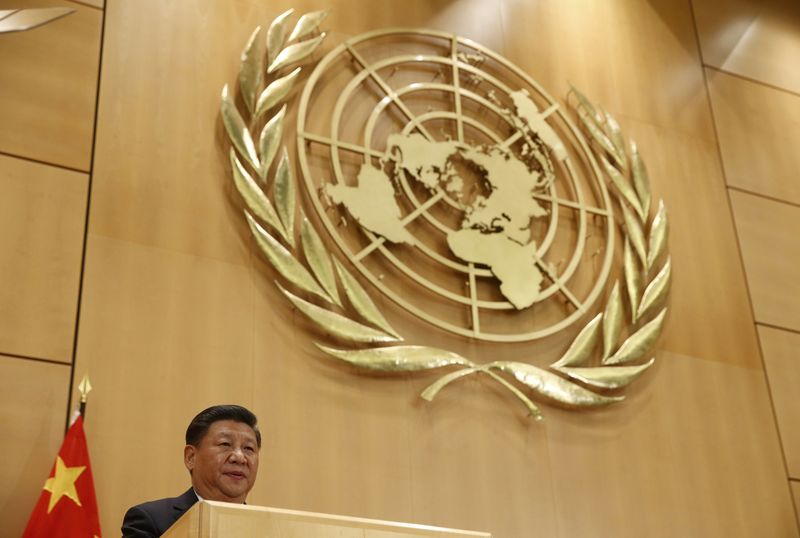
[123, 254]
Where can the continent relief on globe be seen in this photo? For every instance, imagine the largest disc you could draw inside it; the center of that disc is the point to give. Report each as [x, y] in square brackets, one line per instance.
[495, 231]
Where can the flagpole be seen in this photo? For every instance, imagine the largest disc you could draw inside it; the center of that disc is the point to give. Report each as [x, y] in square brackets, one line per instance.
[67, 504]
[84, 387]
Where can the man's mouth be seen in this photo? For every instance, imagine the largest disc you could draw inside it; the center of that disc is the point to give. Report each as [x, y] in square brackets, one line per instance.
[238, 475]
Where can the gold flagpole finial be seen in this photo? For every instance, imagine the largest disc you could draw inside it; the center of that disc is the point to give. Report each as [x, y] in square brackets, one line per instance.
[84, 387]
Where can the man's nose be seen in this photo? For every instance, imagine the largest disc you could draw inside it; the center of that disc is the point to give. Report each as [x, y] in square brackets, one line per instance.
[237, 455]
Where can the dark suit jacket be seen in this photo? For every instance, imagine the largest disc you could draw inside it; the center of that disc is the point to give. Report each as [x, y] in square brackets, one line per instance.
[152, 519]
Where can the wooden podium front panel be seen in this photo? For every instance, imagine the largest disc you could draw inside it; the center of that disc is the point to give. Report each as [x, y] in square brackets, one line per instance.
[209, 519]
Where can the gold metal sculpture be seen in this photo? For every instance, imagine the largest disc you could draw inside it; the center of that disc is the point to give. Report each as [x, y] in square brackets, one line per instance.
[84, 388]
[20, 20]
[492, 241]
[453, 154]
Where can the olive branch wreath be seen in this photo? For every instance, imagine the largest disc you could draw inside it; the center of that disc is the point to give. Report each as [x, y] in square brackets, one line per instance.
[573, 380]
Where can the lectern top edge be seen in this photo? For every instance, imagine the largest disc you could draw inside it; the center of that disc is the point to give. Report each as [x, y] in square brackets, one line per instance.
[206, 518]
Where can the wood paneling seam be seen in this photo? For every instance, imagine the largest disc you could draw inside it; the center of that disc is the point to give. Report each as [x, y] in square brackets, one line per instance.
[86, 220]
[36, 359]
[85, 4]
[764, 196]
[45, 163]
[742, 265]
[752, 80]
[777, 327]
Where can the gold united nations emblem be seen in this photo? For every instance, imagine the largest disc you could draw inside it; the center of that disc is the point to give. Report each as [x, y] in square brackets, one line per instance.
[448, 179]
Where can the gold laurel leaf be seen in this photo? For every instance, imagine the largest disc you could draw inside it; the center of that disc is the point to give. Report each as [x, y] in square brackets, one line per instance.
[635, 233]
[552, 386]
[612, 321]
[656, 292]
[615, 134]
[640, 180]
[600, 137]
[639, 342]
[253, 196]
[623, 187]
[337, 324]
[532, 409]
[633, 280]
[588, 106]
[433, 389]
[319, 260]
[398, 358]
[581, 348]
[284, 262]
[269, 140]
[295, 53]
[361, 301]
[250, 71]
[284, 192]
[238, 131]
[276, 35]
[307, 24]
[275, 92]
[658, 235]
[607, 377]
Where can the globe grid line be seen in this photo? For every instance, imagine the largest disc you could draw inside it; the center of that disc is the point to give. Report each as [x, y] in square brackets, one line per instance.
[378, 241]
[369, 70]
[387, 90]
[457, 88]
[368, 151]
[558, 283]
[415, 122]
[570, 390]
[361, 150]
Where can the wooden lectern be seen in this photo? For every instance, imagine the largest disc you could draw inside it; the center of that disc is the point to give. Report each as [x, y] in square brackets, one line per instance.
[211, 519]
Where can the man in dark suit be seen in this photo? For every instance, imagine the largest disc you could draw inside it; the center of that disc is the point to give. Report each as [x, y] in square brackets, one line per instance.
[221, 454]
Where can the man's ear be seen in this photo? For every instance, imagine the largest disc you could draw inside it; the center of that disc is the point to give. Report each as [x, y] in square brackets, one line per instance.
[189, 453]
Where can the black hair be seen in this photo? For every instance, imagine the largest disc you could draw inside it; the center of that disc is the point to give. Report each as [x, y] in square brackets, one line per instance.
[199, 425]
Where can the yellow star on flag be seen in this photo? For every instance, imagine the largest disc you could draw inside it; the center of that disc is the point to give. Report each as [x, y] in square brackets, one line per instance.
[63, 483]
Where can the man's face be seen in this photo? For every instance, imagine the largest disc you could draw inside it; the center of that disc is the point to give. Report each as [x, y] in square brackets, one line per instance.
[225, 463]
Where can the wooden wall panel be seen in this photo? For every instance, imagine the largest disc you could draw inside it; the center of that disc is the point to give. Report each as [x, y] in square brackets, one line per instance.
[771, 252]
[164, 335]
[176, 173]
[180, 311]
[759, 133]
[33, 403]
[351, 434]
[656, 466]
[759, 40]
[708, 317]
[94, 3]
[366, 432]
[782, 360]
[42, 215]
[795, 485]
[48, 87]
[657, 93]
[457, 445]
[721, 25]
[601, 49]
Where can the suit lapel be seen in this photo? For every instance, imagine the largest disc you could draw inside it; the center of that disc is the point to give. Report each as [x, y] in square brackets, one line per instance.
[185, 501]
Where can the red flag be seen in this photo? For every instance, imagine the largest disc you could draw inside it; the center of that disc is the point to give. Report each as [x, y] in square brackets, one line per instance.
[67, 506]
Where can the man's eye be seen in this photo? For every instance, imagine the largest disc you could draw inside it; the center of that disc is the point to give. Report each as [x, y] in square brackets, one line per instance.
[224, 443]
[249, 449]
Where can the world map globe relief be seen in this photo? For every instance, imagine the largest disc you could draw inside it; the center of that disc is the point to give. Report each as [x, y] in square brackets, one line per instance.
[455, 184]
